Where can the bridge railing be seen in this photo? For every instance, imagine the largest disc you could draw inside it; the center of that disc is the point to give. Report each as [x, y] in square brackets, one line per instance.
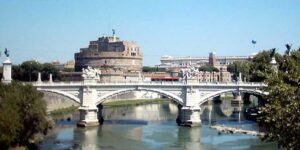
[79, 83]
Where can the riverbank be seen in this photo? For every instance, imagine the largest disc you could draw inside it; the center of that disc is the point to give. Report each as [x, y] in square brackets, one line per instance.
[134, 102]
[225, 129]
[63, 111]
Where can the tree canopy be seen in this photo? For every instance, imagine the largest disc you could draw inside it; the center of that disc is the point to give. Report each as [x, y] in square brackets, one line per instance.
[261, 67]
[23, 114]
[28, 71]
[240, 67]
[153, 69]
[258, 68]
[208, 68]
[280, 116]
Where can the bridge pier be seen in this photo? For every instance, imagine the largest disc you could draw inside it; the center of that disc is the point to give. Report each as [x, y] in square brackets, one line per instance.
[237, 98]
[260, 101]
[188, 116]
[88, 110]
[88, 116]
[237, 110]
[100, 116]
[246, 98]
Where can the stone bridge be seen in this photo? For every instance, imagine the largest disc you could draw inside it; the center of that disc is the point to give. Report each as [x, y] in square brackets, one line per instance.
[189, 95]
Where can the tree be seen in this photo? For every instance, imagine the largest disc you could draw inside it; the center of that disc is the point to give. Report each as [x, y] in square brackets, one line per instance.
[31, 69]
[208, 68]
[23, 114]
[47, 69]
[153, 69]
[261, 67]
[280, 116]
[240, 67]
[28, 71]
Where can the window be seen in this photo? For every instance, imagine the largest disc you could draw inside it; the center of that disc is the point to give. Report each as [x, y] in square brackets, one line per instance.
[133, 54]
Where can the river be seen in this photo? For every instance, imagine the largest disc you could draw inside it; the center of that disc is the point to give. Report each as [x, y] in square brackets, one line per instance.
[153, 126]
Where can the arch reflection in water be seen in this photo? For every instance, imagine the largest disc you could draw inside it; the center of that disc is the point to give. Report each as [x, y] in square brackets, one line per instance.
[137, 137]
[111, 137]
[148, 113]
[222, 112]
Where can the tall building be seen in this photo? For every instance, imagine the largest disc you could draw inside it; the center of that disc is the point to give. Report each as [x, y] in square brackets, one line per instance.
[212, 59]
[118, 60]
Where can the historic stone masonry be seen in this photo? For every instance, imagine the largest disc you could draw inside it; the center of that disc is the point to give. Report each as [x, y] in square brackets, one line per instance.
[115, 57]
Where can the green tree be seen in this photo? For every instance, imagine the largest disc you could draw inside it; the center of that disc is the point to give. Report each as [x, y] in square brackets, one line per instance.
[240, 67]
[31, 69]
[47, 69]
[260, 67]
[208, 68]
[153, 69]
[280, 116]
[18, 73]
[28, 71]
[23, 114]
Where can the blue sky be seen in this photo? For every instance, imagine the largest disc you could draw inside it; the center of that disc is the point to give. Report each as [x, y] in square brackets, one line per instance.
[48, 30]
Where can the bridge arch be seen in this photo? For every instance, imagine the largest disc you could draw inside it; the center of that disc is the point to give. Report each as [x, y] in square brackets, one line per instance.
[217, 93]
[170, 95]
[68, 95]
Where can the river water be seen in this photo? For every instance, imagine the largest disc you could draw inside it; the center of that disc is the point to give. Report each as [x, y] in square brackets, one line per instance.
[153, 126]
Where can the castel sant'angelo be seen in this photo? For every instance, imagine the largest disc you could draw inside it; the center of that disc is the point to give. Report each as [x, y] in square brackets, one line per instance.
[118, 60]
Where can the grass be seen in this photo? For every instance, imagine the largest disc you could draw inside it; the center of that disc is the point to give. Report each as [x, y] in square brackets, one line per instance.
[134, 102]
[63, 111]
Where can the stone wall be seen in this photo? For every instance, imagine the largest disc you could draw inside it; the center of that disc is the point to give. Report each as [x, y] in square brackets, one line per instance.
[55, 101]
[110, 52]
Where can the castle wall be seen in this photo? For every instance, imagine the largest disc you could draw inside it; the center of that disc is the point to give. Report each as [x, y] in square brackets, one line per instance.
[115, 58]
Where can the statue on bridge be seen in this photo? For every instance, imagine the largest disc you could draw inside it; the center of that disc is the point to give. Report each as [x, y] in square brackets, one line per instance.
[189, 73]
[91, 73]
[6, 52]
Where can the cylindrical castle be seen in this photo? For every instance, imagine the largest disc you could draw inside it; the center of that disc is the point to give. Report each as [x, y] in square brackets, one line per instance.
[110, 54]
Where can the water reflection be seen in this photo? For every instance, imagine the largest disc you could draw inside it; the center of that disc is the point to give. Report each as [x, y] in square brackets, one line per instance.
[153, 126]
[189, 138]
[222, 113]
[149, 113]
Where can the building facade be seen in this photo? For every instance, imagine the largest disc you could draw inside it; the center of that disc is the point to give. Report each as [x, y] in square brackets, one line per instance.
[221, 76]
[217, 61]
[116, 59]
